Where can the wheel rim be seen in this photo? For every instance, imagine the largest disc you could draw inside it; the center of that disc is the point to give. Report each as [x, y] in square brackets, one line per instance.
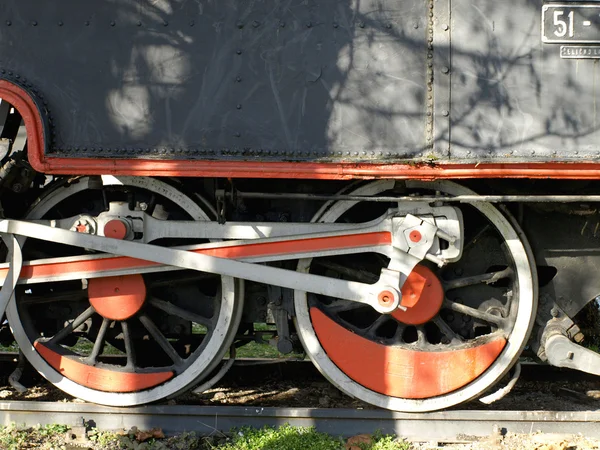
[144, 374]
[335, 345]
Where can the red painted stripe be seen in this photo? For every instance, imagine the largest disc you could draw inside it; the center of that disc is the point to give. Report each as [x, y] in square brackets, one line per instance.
[234, 252]
[99, 378]
[400, 372]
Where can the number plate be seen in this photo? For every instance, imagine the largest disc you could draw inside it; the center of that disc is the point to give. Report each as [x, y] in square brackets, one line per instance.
[564, 23]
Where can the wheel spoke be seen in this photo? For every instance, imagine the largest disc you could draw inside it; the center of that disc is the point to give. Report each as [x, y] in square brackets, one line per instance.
[172, 309]
[476, 237]
[129, 349]
[99, 344]
[446, 330]
[161, 340]
[397, 339]
[421, 337]
[79, 320]
[371, 330]
[487, 278]
[475, 313]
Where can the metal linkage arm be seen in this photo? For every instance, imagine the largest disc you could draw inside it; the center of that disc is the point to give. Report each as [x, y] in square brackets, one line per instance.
[562, 352]
[349, 290]
[406, 239]
[16, 263]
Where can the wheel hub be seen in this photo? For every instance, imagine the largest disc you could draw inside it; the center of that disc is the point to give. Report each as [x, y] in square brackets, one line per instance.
[116, 229]
[422, 295]
[117, 298]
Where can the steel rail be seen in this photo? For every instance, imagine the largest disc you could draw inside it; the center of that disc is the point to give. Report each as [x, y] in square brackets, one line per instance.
[445, 426]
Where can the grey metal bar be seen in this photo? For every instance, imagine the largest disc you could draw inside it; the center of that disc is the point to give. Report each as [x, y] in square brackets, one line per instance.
[425, 199]
[446, 426]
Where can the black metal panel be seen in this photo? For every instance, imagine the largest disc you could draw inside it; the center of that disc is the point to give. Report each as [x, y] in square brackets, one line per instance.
[276, 79]
[513, 98]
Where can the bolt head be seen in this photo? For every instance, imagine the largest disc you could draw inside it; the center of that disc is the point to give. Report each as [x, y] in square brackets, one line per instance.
[415, 236]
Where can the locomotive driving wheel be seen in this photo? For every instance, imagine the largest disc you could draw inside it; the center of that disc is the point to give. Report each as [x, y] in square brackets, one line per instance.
[123, 340]
[465, 326]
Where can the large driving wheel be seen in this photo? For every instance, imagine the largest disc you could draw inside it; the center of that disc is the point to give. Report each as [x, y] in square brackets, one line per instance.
[123, 340]
[467, 325]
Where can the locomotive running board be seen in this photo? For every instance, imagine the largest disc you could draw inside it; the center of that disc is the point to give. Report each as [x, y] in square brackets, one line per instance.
[384, 295]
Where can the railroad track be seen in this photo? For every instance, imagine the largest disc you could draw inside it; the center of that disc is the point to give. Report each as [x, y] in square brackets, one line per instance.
[446, 426]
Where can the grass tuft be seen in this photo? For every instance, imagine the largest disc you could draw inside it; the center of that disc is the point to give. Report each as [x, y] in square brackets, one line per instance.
[298, 438]
[285, 437]
[15, 438]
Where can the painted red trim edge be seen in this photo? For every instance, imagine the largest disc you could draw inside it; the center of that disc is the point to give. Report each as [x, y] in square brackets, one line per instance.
[32, 118]
[101, 379]
[38, 159]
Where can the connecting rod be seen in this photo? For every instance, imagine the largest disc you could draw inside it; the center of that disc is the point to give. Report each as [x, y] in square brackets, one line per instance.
[405, 239]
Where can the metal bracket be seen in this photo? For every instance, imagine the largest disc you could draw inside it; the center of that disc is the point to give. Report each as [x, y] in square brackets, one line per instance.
[562, 352]
[15, 258]
[221, 205]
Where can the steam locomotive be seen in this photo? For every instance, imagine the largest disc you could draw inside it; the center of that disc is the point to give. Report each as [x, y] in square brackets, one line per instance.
[406, 191]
